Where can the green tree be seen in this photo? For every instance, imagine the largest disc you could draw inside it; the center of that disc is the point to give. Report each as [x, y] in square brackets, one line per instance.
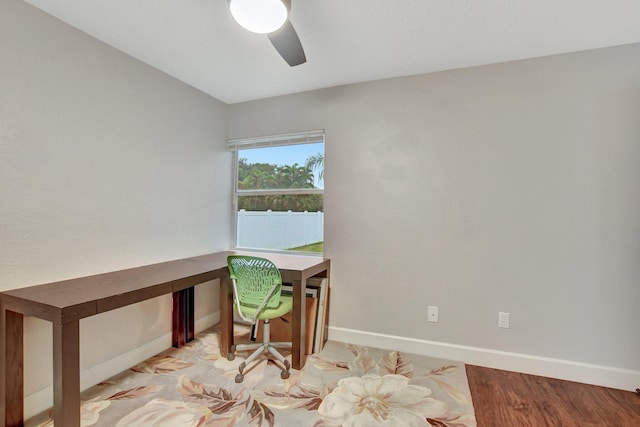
[261, 176]
[294, 176]
[316, 162]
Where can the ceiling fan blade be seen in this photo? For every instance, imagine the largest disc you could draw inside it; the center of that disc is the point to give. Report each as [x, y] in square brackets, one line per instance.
[287, 43]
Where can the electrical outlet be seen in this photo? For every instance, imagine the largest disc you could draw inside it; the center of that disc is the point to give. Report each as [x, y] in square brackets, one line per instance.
[503, 320]
[432, 313]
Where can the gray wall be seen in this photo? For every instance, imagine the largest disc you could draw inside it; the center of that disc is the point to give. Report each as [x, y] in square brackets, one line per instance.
[105, 163]
[511, 187]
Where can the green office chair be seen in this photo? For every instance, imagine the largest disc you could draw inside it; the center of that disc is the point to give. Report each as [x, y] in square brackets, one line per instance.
[257, 295]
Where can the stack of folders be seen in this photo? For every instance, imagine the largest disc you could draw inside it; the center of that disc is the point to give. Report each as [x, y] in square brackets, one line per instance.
[318, 290]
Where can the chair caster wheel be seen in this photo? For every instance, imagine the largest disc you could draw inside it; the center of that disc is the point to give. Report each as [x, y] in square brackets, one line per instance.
[232, 353]
[284, 375]
[239, 378]
[287, 365]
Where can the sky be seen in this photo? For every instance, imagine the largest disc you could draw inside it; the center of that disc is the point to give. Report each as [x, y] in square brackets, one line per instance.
[284, 155]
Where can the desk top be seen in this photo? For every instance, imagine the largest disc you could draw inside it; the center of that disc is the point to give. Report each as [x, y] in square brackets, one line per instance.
[292, 267]
[69, 300]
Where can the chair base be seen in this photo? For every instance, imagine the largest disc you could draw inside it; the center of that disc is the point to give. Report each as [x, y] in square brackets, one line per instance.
[265, 346]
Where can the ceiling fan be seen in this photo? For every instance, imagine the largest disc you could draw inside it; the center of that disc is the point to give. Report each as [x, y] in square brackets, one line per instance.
[271, 17]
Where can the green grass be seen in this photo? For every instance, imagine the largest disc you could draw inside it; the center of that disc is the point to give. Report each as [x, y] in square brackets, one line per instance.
[314, 247]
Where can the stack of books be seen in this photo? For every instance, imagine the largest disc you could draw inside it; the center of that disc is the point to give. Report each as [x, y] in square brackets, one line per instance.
[317, 312]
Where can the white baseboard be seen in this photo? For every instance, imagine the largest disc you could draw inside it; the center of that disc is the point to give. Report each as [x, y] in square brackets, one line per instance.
[606, 376]
[42, 400]
[207, 322]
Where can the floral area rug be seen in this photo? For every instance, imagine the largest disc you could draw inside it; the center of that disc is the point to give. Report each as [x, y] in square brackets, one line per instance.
[343, 385]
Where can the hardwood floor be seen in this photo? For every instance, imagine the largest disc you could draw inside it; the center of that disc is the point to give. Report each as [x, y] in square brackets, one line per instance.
[509, 399]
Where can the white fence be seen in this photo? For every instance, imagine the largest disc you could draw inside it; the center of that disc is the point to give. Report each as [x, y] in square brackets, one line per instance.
[279, 230]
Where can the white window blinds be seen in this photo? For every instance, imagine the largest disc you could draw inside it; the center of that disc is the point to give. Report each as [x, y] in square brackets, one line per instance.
[307, 137]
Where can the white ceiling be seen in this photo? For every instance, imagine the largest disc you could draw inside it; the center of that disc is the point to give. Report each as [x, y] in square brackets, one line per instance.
[346, 41]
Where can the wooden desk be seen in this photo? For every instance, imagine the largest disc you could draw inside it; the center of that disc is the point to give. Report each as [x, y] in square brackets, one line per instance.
[64, 303]
[294, 269]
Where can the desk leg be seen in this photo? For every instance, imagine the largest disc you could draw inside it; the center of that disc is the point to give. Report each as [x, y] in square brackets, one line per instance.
[13, 365]
[182, 317]
[298, 340]
[177, 320]
[226, 316]
[3, 355]
[66, 374]
[190, 315]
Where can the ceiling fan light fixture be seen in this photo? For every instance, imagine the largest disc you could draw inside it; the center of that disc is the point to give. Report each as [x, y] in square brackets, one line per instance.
[259, 16]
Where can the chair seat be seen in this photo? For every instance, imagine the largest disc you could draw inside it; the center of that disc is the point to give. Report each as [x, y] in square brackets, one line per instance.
[285, 306]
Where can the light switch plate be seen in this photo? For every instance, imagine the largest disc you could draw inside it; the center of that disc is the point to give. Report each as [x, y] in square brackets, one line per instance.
[432, 313]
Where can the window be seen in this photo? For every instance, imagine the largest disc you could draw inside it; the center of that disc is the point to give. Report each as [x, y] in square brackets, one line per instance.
[279, 192]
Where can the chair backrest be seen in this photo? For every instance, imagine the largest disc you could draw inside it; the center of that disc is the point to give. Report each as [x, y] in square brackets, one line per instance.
[254, 277]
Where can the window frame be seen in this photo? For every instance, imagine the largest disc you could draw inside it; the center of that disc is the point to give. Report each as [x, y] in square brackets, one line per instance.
[236, 145]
